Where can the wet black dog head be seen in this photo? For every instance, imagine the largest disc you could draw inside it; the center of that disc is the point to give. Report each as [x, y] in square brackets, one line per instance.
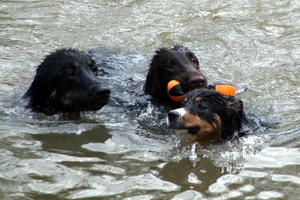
[208, 115]
[66, 82]
[177, 63]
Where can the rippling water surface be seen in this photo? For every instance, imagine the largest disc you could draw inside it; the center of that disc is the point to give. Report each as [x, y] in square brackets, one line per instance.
[111, 154]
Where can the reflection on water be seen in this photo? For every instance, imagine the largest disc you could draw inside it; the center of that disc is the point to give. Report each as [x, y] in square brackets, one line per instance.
[119, 154]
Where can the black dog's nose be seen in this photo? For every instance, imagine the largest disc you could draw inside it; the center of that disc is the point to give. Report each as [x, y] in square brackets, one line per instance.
[102, 92]
[198, 81]
[99, 91]
[173, 115]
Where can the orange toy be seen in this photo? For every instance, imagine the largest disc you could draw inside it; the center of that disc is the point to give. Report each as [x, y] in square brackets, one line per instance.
[224, 88]
[177, 94]
[175, 91]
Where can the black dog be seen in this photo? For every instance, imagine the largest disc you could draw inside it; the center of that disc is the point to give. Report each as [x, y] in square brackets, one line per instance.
[208, 115]
[177, 63]
[66, 82]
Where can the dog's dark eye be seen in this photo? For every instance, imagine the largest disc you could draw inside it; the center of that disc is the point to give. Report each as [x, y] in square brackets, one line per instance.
[172, 64]
[90, 62]
[94, 68]
[71, 71]
[202, 105]
[194, 60]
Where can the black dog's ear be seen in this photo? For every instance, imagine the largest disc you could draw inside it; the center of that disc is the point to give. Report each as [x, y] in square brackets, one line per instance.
[235, 116]
[39, 91]
[236, 105]
[152, 84]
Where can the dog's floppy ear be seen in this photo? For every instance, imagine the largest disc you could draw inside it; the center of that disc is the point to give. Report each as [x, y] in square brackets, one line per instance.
[235, 115]
[152, 84]
[39, 91]
[237, 106]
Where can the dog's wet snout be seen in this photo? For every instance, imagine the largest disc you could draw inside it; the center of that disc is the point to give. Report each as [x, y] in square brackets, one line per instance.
[176, 114]
[173, 116]
[99, 91]
[103, 92]
[198, 82]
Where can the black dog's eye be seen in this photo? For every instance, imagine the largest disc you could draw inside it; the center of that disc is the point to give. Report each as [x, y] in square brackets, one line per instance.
[194, 60]
[90, 62]
[94, 68]
[70, 70]
[172, 64]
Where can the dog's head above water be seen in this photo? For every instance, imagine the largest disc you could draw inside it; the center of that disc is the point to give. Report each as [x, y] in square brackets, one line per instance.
[177, 63]
[208, 115]
[66, 82]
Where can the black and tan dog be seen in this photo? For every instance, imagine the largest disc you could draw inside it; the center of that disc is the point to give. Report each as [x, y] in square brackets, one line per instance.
[208, 115]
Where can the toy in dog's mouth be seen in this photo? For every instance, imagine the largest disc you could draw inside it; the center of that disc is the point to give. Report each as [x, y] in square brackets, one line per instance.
[178, 95]
[175, 91]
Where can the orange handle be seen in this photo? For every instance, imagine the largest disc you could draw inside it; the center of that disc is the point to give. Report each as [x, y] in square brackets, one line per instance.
[226, 89]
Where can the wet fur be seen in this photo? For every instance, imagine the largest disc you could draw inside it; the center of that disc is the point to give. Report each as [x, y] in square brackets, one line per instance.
[66, 82]
[177, 63]
[220, 116]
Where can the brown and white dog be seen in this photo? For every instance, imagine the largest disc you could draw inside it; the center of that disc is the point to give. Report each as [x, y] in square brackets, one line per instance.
[207, 115]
